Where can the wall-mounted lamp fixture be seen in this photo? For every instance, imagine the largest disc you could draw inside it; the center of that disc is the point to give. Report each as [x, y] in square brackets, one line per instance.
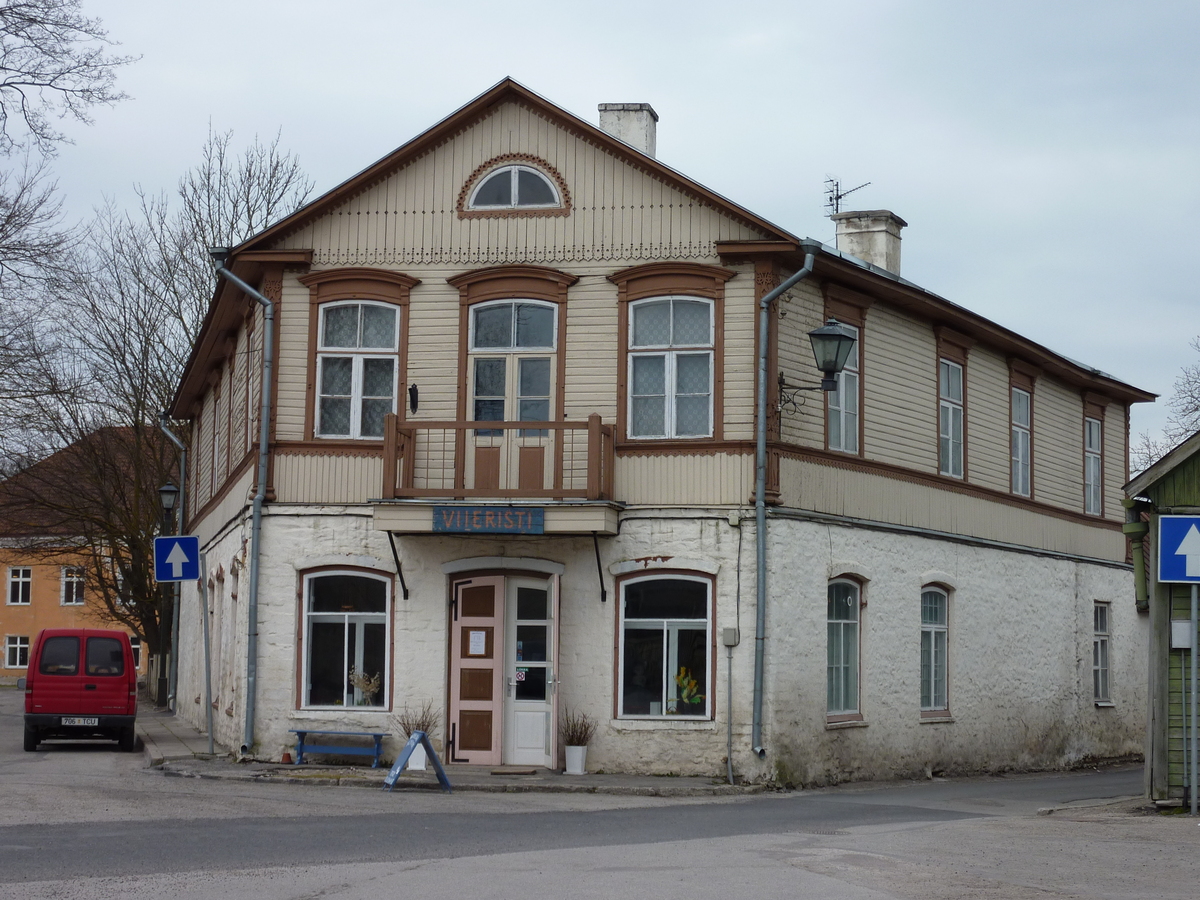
[412, 398]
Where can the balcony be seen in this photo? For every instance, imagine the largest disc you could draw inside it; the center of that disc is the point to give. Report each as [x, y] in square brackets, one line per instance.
[552, 461]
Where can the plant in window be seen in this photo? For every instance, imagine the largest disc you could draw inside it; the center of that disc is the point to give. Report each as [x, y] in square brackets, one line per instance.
[367, 685]
[687, 691]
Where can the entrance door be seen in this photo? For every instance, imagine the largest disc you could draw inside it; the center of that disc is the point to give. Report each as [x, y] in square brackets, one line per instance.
[477, 670]
[503, 660]
[530, 667]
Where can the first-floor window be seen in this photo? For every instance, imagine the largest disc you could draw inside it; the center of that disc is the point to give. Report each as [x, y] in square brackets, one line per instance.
[842, 662]
[20, 585]
[1100, 638]
[72, 585]
[16, 652]
[346, 639]
[934, 633]
[665, 646]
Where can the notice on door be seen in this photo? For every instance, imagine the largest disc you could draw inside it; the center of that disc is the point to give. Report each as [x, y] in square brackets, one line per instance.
[478, 643]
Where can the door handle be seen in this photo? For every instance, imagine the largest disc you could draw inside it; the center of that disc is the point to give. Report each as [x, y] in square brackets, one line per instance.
[510, 687]
[89, 687]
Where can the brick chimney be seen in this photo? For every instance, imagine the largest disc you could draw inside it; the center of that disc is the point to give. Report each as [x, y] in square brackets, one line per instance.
[633, 123]
[871, 235]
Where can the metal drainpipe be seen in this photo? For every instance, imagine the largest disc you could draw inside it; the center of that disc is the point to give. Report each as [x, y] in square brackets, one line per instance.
[260, 492]
[760, 489]
[162, 424]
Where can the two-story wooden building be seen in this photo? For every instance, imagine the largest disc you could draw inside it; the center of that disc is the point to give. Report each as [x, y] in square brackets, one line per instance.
[511, 470]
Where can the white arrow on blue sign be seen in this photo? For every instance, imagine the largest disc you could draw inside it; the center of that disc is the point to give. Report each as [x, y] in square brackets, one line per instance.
[177, 558]
[1179, 549]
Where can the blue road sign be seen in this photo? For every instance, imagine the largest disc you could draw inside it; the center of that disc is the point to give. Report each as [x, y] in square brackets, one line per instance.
[1179, 549]
[177, 558]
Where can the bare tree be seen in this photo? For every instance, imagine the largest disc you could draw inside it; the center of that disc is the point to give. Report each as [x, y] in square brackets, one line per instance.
[1182, 422]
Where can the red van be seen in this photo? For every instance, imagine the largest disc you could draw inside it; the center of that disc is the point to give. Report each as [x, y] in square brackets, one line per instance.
[81, 683]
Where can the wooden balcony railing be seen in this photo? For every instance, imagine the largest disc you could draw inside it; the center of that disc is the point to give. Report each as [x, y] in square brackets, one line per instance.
[525, 460]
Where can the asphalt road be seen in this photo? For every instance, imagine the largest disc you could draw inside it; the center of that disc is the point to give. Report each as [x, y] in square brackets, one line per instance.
[86, 821]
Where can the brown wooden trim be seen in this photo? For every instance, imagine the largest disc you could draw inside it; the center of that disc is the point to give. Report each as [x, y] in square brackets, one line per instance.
[618, 607]
[953, 345]
[272, 289]
[509, 159]
[330, 447]
[1093, 410]
[1022, 374]
[845, 304]
[355, 283]
[939, 714]
[285, 257]
[671, 280]
[1095, 405]
[249, 461]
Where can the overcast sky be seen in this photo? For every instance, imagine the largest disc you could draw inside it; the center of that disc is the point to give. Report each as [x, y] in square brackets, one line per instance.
[1044, 154]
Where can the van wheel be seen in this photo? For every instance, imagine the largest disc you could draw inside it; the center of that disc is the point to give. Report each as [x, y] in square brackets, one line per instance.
[31, 738]
[128, 740]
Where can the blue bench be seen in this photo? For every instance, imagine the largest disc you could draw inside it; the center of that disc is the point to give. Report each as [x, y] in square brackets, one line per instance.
[303, 746]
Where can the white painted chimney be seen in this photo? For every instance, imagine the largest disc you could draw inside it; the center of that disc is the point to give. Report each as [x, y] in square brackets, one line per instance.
[871, 235]
[633, 123]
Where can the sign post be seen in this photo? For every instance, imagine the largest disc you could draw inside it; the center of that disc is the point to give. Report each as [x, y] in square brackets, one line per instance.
[1179, 563]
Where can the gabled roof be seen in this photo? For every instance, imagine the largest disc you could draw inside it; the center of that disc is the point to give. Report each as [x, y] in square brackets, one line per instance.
[1182, 453]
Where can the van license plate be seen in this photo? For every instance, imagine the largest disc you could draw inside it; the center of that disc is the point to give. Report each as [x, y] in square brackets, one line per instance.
[80, 720]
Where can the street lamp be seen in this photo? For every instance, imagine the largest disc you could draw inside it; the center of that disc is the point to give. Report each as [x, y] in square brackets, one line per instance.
[831, 346]
[167, 495]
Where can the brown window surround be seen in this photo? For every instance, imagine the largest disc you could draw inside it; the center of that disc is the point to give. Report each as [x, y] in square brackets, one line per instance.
[511, 159]
[1024, 376]
[850, 308]
[1094, 407]
[619, 635]
[667, 280]
[354, 284]
[953, 346]
[512, 283]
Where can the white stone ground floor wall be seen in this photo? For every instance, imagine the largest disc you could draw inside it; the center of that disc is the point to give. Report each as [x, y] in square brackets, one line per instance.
[1020, 643]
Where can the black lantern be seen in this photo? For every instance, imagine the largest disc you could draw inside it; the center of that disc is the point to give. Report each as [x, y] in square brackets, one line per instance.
[168, 494]
[831, 344]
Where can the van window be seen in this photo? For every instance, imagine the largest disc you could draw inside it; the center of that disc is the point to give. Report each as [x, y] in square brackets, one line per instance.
[105, 657]
[60, 656]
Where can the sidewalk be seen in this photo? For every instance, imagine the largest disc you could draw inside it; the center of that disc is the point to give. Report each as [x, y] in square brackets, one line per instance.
[174, 747]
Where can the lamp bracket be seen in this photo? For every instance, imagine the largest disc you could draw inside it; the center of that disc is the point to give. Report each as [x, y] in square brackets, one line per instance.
[792, 397]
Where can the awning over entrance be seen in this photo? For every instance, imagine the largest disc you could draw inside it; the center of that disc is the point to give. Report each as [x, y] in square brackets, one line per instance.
[466, 517]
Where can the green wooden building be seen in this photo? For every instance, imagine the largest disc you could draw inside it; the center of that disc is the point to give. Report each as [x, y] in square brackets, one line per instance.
[1170, 487]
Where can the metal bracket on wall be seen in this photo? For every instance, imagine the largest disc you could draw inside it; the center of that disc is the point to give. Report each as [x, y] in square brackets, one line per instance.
[399, 568]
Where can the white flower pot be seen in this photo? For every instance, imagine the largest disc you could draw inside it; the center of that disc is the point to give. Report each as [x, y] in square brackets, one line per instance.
[576, 760]
[416, 762]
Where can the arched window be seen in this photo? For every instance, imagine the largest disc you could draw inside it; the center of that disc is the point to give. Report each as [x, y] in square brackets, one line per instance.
[357, 363]
[666, 638]
[346, 624]
[514, 187]
[935, 605]
[842, 650]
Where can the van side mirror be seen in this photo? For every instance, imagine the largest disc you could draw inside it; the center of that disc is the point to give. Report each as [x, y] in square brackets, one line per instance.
[21, 683]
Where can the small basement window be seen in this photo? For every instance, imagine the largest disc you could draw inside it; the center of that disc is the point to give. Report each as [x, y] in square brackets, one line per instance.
[514, 187]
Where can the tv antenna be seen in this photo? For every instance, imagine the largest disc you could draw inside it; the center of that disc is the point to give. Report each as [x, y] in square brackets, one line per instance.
[835, 194]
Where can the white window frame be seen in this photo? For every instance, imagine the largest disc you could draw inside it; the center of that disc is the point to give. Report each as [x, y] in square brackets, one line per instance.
[348, 619]
[20, 586]
[1101, 644]
[935, 647]
[15, 647]
[1093, 466]
[74, 579]
[846, 414]
[513, 169]
[513, 355]
[357, 355]
[1021, 447]
[951, 419]
[845, 698]
[670, 630]
[670, 354]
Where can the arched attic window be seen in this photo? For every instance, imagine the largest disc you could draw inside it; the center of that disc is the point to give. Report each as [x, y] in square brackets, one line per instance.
[514, 184]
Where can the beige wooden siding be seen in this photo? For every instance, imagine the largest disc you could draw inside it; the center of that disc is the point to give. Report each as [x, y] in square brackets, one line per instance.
[234, 500]
[988, 420]
[433, 345]
[592, 363]
[881, 498]
[202, 453]
[800, 311]
[322, 478]
[702, 480]
[618, 212]
[899, 407]
[292, 365]
[1057, 445]
[741, 322]
[1116, 442]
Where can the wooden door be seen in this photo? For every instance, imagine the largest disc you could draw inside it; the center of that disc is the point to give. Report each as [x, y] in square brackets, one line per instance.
[477, 671]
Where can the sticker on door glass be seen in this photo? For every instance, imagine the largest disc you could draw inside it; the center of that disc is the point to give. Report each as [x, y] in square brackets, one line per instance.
[521, 674]
[478, 643]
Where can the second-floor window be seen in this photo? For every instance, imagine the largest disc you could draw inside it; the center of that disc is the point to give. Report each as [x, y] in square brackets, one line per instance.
[72, 586]
[20, 585]
[1093, 448]
[950, 418]
[357, 366]
[512, 362]
[671, 368]
[843, 404]
[1021, 442]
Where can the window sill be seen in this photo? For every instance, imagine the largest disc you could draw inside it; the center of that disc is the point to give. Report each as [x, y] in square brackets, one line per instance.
[851, 723]
[659, 722]
[935, 716]
[313, 712]
[1105, 704]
